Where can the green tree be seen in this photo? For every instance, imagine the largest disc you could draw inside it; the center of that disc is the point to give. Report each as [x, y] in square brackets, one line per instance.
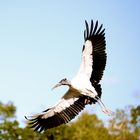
[7, 122]
[9, 126]
[87, 127]
[7, 111]
[135, 120]
[120, 125]
[124, 125]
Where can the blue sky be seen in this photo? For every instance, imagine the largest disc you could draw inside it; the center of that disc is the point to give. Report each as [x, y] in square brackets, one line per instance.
[41, 42]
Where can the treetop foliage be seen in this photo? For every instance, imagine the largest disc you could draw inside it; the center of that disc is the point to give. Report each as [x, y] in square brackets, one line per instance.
[124, 125]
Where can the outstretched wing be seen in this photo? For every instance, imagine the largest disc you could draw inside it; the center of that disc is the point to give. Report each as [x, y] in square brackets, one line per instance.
[68, 107]
[93, 54]
[93, 64]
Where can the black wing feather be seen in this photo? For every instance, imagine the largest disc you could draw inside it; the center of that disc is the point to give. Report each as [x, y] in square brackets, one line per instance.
[97, 37]
[40, 124]
[91, 28]
[87, 29]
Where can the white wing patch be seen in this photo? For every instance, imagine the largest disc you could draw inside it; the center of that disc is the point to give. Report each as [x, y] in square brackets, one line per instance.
[64, 103]
[87, 60]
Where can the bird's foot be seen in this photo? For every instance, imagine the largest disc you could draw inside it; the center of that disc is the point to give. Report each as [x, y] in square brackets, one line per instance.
[107, 111]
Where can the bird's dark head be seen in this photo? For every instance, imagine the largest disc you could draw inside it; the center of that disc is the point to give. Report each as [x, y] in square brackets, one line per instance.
[62, 82]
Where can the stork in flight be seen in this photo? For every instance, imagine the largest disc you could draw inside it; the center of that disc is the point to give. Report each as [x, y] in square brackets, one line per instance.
[84, 88]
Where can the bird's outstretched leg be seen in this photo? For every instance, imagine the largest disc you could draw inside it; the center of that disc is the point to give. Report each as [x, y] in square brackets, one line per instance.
[103, 107]
[95, 96]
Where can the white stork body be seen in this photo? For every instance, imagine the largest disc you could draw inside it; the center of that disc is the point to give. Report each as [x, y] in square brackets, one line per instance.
[84, 88]
[81, 81]
[82, 84]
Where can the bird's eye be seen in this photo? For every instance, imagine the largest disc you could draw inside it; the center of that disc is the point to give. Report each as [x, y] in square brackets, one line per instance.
[64, 79]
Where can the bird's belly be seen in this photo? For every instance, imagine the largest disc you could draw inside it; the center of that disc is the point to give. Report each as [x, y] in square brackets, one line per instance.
[83, 86]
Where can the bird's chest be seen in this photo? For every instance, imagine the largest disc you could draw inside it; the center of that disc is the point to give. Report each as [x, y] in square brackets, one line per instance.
[80, 83]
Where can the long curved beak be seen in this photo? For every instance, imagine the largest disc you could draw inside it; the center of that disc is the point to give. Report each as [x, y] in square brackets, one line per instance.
[57, 85]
